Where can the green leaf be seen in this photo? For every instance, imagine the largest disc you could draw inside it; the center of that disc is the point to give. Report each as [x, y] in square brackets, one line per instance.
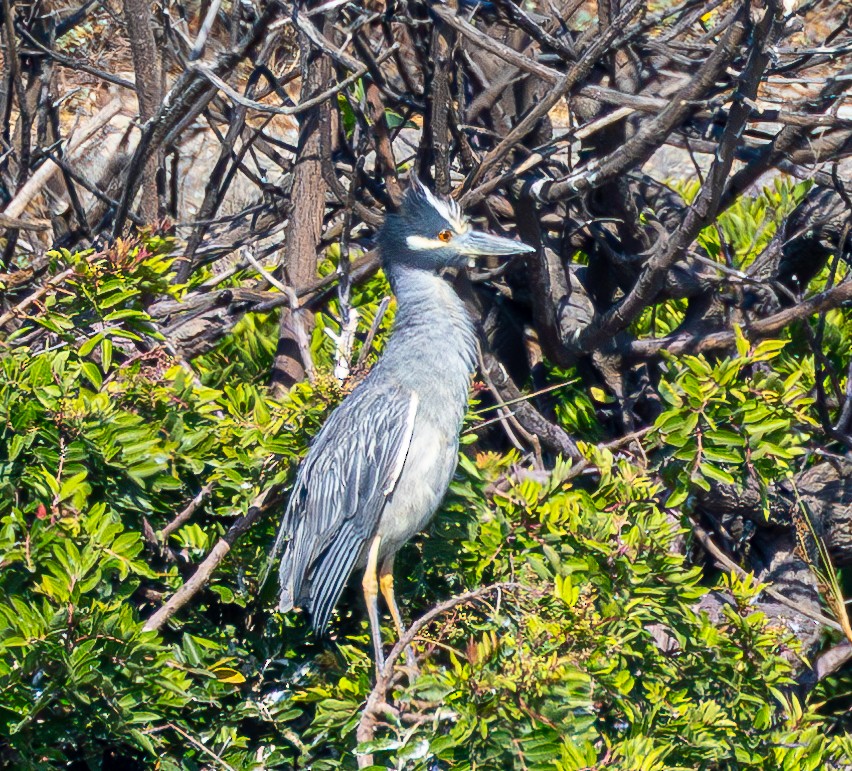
[92, 373]
[715, 473]
[106, 354]
[87, 347]
[229, 675]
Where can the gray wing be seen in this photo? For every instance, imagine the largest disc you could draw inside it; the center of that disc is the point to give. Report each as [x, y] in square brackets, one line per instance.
[340, 491]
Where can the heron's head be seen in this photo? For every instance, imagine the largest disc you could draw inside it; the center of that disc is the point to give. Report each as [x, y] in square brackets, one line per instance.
[431, 233]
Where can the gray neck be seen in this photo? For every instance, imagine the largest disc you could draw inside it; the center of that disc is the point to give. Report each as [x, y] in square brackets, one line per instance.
[432, 348]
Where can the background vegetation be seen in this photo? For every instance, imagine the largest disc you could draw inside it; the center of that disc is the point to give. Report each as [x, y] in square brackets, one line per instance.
[642, 561]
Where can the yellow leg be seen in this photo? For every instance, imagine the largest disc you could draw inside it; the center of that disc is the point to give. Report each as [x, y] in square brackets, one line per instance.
[386, 585]
[370, 585]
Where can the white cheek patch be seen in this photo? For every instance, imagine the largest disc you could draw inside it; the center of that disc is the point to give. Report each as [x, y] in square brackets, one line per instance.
[421, 243]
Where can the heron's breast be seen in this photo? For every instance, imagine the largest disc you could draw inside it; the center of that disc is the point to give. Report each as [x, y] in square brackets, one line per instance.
[426, 474]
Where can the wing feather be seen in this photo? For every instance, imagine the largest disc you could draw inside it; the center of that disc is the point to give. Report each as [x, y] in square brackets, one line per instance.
[340, 491]
[337, 565]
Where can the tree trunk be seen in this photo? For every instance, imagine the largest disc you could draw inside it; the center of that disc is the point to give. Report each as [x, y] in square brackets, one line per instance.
[304, 227]
[140, 28]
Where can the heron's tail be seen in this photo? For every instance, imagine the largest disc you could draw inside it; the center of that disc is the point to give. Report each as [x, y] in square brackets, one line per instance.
[311, 577]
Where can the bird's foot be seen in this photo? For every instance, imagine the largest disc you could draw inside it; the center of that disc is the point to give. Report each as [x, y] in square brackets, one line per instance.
[412, 668]
[379, 657]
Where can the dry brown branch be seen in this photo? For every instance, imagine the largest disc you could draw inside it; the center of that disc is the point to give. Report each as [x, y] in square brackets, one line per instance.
[720, 341]
[186, 514]
[569, 81]
[304, 225]
[48, 286]
[259, 505]
[703, 209]
[79, 141]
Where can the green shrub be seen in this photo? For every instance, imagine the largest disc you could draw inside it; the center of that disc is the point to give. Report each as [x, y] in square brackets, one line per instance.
[597, 656]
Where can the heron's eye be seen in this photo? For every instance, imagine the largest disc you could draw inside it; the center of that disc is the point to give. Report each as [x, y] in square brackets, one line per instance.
[446, 236]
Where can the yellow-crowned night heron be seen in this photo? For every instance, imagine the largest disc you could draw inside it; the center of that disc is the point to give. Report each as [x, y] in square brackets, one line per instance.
[381, 464]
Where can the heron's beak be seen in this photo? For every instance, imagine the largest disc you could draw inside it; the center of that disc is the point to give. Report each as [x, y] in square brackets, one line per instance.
[478, 244]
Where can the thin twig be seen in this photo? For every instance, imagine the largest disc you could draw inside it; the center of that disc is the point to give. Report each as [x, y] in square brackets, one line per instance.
[186, 514]
[727, 563]
[376, 701]
[307, 104]
[199, 579]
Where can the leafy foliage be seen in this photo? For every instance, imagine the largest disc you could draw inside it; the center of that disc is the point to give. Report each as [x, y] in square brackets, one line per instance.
[600, 656]
[731, 421]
